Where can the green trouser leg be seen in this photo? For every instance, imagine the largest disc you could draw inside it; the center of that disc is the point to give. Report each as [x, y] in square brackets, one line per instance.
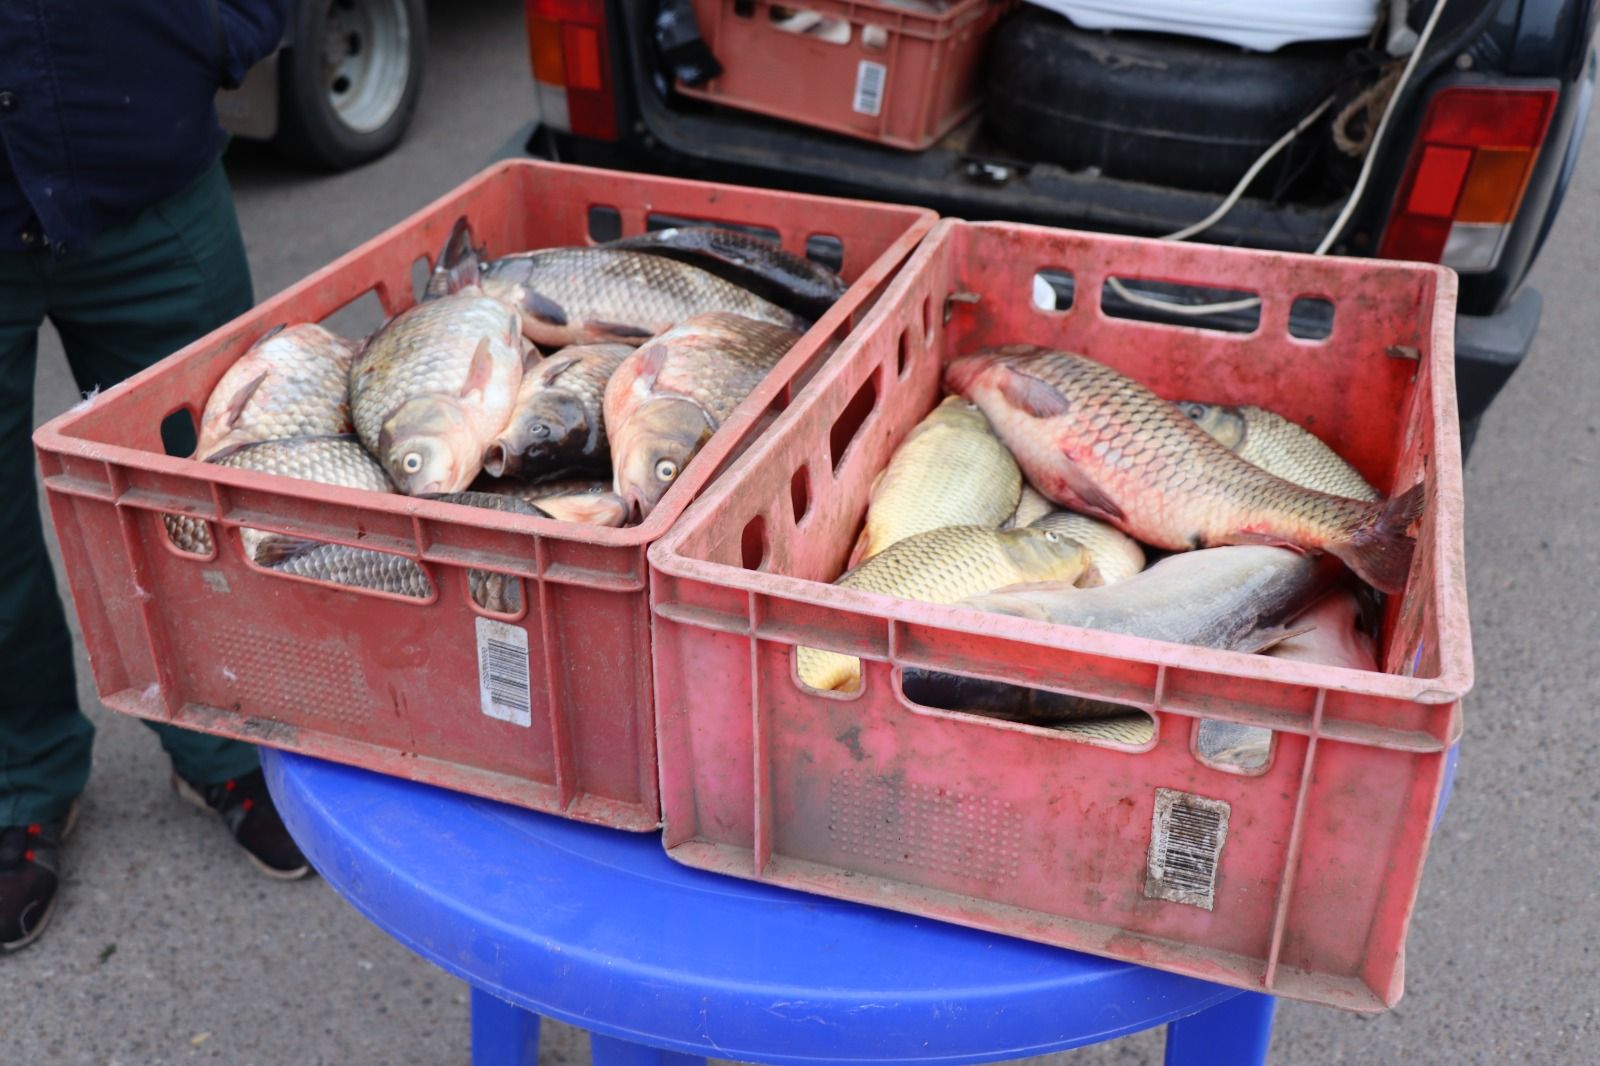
[136, 294]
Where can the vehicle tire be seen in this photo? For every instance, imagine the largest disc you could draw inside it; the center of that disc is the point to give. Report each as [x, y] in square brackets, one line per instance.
[348, 82]
[1145, 107]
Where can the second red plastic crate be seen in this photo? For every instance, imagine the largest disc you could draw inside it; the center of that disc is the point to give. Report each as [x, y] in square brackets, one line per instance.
[1311, 862]
[218, 644]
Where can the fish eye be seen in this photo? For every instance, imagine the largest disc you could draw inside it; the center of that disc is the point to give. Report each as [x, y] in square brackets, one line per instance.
[540, 431]
[1193, 410]
[666, 470]
[412, 462]
[1053, 538]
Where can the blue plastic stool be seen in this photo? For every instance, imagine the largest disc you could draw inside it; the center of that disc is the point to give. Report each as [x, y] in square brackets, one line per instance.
[663, 964]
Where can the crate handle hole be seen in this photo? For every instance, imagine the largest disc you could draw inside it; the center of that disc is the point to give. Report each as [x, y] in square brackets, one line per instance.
[1178, 304]
[188, 536]
[850, 421]
[800, 492]
[745, 9]
[753, 543]
[605, 223]
[813, 24]
[496, 595]
[318, 562]
[903, 357]
[1311, 318]
[1054, 289]
[826, 250]
[927, 320]
[1077, 718]
[1233, 748]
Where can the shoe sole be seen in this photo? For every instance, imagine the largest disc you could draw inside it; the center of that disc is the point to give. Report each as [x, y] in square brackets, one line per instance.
[187, 792]
[49, 908]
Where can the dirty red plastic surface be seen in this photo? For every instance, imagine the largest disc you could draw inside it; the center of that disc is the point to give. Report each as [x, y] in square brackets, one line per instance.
[220, 645]
[902, 78]
[1023, 830]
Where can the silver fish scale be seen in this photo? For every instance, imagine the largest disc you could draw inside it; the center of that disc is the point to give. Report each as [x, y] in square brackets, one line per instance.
[363, 568]
[424, 351]
[630, 288]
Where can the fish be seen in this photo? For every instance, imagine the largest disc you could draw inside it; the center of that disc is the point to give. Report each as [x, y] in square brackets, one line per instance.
[942, 566]
[591, 295]
[558, 423]
[951, 470]
[1102, 444]
[1234, 598]
[576, 500]
[400, 575]
[294, 381]
[433, 385]
[1031, 506]
[337, 460]
[1280, 447]
[1329, 637]
[789, 281]
[1113, 555]
[667, 398]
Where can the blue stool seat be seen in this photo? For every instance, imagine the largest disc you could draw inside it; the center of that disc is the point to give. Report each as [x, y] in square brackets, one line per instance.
[665, 964]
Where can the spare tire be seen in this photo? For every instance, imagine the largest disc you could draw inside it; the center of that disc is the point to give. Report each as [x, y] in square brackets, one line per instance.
[1147, 107]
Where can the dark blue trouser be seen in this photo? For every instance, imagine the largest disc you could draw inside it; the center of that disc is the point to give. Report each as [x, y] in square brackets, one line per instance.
[134, 295]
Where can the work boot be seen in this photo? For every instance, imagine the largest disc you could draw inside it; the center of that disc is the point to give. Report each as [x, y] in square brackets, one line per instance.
[246, 808]
[30, 873]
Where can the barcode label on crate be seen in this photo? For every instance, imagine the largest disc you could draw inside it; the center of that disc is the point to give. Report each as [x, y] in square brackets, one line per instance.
[870, 77]
[1186, 837]
[503, 672]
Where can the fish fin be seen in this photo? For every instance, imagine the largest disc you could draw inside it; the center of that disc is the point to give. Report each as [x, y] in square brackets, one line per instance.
[859, 550]
[1380, 549]
[622, 331]
[277, 550]
[1251, 535]
[531, 355]
[1089, 498]
[273, 332]
[1264, 639]
[650, 363]
[555, 366]
[457, 265]
[539, 306]
[242, 397]
[1033, 395]
[480, 372]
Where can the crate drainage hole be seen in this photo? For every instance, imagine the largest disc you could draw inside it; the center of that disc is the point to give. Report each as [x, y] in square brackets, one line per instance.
[903, 363]
[1243, 749]
[1174, 304]
[753, 543]
[1311, 318]
[187, 535]
[800, 492]
[850, 420]
[1053, 290]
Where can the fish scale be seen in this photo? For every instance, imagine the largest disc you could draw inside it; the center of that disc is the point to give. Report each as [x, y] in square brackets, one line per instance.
[951, 470]
[942, 566]
[578, 295]
[292, 382]
[1098, 442]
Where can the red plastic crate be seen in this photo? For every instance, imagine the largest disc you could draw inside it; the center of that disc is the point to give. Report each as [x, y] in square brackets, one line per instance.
[903, 78]
[223, 646]
[1022, 830]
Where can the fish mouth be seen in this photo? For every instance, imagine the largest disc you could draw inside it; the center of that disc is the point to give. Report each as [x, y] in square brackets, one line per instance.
[498, 460]
[636, 505]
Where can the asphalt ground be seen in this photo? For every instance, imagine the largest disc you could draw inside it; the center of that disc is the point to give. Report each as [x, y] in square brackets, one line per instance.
[168, 947]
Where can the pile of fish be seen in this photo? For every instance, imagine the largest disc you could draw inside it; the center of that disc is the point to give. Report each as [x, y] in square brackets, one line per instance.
[573, 383]
[1037, 488]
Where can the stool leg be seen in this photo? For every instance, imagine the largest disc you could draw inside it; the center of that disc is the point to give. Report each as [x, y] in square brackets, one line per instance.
[1236, 1032]
[502, 1034]
[609, 1051]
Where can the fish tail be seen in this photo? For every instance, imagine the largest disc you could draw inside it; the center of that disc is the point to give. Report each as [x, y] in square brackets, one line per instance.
[1380, 549]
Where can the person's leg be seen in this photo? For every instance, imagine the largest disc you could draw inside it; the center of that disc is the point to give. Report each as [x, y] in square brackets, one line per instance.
[135, 295]
[44, 738]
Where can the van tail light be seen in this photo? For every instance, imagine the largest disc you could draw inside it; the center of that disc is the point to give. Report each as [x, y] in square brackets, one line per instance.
[571, 59]
[1467, 173]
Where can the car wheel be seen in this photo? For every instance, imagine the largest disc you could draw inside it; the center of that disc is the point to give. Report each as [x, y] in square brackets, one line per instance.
[349, 80]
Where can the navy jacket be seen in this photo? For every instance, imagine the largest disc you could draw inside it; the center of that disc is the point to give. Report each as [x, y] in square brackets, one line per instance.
[107, 108]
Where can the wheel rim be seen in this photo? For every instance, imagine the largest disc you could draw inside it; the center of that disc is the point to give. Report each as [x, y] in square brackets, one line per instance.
[365, 53]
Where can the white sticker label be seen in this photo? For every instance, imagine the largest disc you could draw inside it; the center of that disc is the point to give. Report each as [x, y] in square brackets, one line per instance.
[1186, 838]
[870, 77]
[503, 672]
